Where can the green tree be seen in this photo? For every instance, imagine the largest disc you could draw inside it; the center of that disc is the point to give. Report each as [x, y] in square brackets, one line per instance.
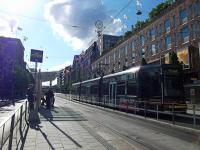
[127, 34]
[22, 79]
[173, 59]
[143, 62]
[160, 8]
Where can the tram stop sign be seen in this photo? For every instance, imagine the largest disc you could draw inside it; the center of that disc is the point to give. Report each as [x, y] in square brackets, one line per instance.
[36, 56]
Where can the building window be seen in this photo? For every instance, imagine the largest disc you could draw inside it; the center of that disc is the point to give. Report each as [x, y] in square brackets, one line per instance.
[153, 49]
[122, 50]
[143, 52]
[160, 28]
[167, 25]
[198, 7]
[191, 11]
[193, 31]
[168, 41]
[133, 56]
[132, 46]
[174, 21]
[183, 16]
[175, 42]
[142, 40]
[152, 34]
[126, 50]
[159, 44]
[185, 34]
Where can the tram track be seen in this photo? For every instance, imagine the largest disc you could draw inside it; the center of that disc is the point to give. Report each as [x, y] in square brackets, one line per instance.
[132, 139]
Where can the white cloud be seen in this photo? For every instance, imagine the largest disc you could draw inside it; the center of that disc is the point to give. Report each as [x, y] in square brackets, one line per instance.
[138, 3]
[125, 17]
[61, 66]
[8, 26]
[74, 20]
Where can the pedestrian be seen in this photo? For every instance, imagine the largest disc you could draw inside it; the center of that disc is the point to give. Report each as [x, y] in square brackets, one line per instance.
[48, 99]
[30, 97]
[52, 98]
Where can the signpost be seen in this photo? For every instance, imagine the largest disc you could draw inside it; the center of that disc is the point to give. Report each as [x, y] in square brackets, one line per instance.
[37, 57]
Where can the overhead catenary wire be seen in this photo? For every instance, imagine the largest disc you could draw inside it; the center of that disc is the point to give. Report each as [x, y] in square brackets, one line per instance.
[115, 16]
[43, 20]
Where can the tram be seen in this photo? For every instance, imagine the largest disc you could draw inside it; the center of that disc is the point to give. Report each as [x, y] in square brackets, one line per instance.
[151, 86]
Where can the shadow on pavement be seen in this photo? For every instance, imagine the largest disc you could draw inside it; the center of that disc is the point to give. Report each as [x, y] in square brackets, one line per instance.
[46, 113]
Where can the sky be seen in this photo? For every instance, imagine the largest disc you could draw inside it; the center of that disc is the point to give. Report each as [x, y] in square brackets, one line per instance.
[64, 28]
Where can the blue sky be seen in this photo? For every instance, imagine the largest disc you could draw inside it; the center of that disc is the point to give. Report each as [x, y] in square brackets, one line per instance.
[64, 28]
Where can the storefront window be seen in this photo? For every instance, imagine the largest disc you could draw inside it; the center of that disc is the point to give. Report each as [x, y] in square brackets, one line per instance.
[183, 57]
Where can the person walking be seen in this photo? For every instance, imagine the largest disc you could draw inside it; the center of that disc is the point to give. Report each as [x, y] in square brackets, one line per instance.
[30, 98]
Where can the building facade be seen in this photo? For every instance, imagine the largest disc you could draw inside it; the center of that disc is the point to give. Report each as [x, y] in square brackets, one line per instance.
[106, 42]
[176, 29]
[81, 68]
[11, 58]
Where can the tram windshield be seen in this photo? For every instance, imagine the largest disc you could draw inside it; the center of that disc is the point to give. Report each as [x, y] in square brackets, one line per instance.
[173, 83]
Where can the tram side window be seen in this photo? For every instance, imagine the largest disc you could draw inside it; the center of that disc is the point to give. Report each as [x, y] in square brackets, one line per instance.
[87, 86]
[83, 89]
[131, 89]
[121, 89]
[94, 88]
[105, 88]
[156, 84]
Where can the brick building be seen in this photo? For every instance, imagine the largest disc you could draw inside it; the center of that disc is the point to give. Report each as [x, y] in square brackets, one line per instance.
[176, 28]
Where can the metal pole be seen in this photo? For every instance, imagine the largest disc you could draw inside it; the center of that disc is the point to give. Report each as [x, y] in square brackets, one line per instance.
[11, 132]
[162, 85]
[127, 106]
[173, 121]
[35, 78]
[157, 112]
[194, 115]
[135, 106]
[145, 110]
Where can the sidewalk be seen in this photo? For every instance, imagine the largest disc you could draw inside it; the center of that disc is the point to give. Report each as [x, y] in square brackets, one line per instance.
[7, 111]
[60, 129]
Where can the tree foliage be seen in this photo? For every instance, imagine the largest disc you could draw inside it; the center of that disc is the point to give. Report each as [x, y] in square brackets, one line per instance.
[143, 62]
[22, 79]
[173, 59]
[159, 8]
[127, 34]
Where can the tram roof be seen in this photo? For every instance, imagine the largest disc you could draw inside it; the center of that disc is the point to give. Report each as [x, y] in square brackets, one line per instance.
[131, 70]
[91, 80]
[77, 83]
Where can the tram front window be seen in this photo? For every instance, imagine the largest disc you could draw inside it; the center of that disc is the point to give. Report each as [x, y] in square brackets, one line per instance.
[173, 85]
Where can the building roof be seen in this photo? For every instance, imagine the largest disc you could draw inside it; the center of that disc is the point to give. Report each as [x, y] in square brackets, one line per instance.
[9, 39]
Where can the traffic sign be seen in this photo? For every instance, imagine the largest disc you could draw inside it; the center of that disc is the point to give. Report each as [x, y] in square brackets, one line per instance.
[36, 56]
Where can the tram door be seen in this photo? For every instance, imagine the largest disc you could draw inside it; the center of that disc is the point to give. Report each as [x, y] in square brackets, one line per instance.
[112, 93]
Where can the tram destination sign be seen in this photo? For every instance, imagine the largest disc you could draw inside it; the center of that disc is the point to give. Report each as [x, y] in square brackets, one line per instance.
[36, 55]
